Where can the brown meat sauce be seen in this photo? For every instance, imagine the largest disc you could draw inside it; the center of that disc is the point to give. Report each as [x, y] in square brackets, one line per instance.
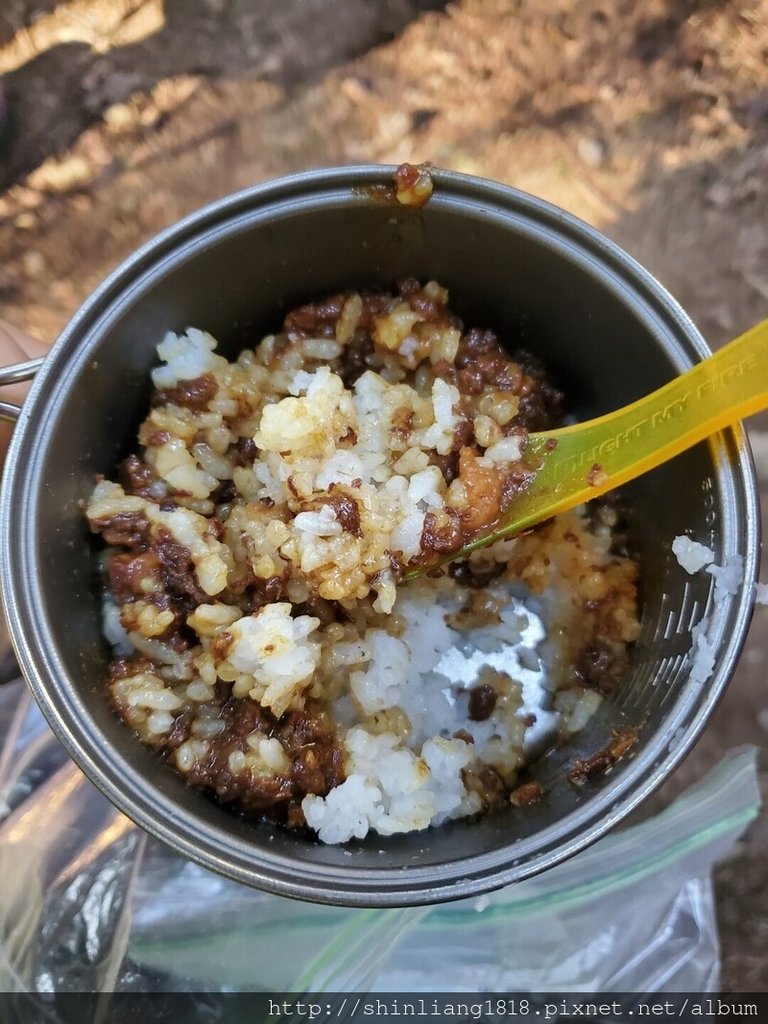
[190, 394]
[309, 740]
[482, 366]
[150, 566]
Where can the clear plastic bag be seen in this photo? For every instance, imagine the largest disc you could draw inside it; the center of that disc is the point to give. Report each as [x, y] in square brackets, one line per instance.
[90, 903]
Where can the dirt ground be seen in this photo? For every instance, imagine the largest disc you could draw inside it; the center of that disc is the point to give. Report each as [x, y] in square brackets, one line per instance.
[647, 118]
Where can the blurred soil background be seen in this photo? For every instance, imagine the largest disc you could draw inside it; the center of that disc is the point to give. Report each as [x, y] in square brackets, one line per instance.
[647, 118]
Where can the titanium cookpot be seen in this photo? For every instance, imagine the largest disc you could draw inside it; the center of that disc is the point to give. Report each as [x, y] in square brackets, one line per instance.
[607, 331]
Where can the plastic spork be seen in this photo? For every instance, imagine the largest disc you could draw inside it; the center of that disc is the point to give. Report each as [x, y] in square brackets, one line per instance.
[580, 462]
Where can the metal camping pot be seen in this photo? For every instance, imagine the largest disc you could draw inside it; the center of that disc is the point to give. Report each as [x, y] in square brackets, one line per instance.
[607, 331]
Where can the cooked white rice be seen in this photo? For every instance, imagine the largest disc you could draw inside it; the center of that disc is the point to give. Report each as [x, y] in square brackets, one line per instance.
[691, 555]
[729, 578]
[281, 599]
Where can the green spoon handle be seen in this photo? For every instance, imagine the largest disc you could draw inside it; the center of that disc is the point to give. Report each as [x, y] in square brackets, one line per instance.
[594, 457]
[585, 460]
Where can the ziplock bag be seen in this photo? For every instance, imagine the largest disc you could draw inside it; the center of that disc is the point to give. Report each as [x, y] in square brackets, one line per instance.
[90, 903]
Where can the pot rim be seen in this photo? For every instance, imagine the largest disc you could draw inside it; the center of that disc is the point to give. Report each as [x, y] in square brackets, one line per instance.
[215, 848]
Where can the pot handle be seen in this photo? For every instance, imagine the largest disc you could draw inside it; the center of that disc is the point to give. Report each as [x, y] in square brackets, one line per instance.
[15, 374]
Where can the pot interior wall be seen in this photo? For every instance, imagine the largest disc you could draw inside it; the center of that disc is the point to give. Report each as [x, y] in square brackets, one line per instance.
[599, 344]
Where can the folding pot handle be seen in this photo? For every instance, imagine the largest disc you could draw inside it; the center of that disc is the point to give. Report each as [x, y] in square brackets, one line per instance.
[15, 374]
